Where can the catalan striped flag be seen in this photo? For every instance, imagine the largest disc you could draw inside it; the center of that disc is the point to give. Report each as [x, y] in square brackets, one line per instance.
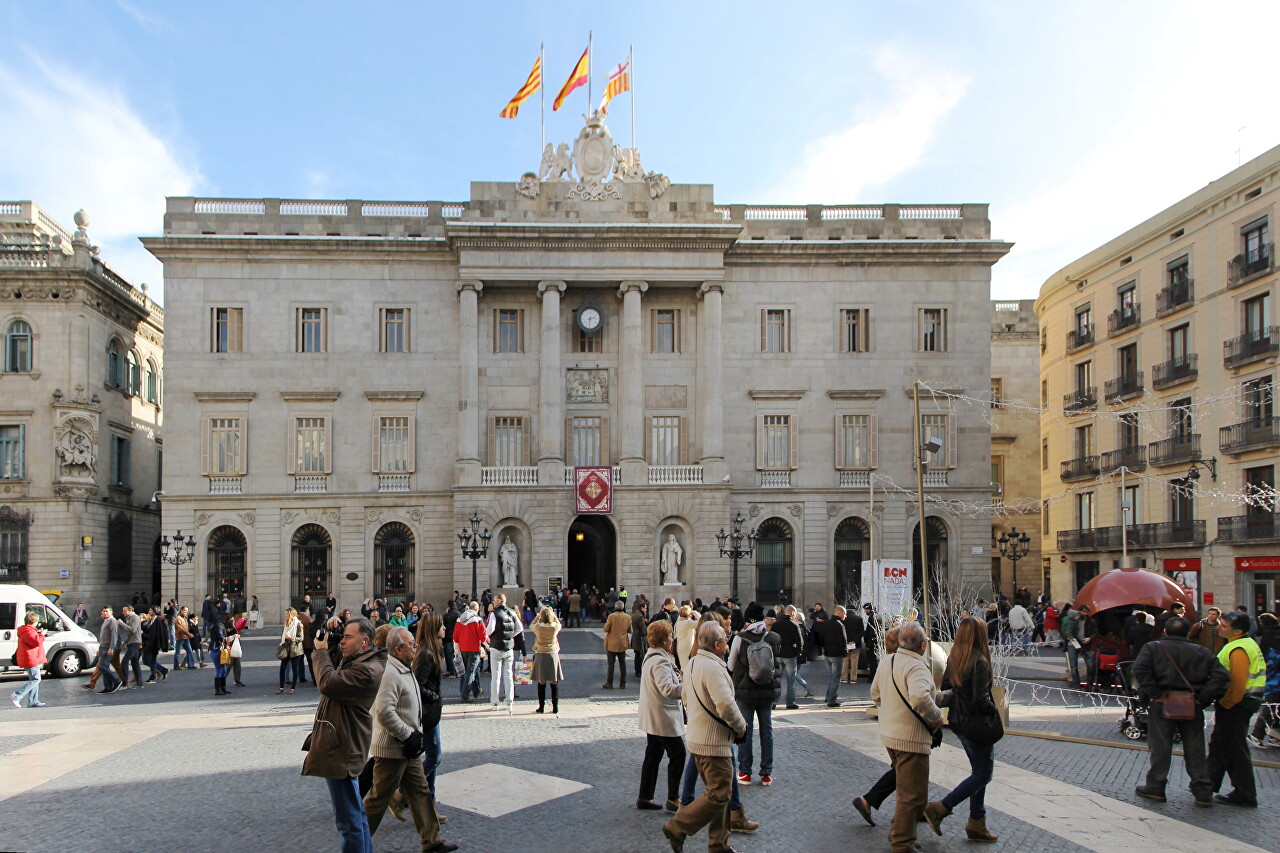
[530, 86]
[577, 78]
[619, 82]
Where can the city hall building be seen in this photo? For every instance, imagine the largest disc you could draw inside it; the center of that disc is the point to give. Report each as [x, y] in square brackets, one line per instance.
[353, 380]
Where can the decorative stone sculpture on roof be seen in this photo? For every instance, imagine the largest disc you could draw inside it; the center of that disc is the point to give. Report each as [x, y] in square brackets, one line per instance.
[596, 159]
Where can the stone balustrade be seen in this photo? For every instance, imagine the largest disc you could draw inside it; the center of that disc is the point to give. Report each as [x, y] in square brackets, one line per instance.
[675, 475]
[310, 484]
[509, 475]
[393, 482]
[225, 485]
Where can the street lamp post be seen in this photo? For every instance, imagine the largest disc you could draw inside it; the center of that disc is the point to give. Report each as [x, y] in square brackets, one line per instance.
[731, 547]
[475, 547]
[177, 553]
[1014, 546]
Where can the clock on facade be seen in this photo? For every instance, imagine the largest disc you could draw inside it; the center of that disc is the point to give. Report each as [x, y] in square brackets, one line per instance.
[590, 318]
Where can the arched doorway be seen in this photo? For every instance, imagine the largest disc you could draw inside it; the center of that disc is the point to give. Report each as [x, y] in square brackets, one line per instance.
[936, 534]
[592, 554]
[310, 563]
[851, 548]
[774, 555]
[226, 562]
[393, 561]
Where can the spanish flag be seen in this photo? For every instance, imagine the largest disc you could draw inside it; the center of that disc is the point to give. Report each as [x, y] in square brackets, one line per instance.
[530, 86]
[619, 82]
[576, 79]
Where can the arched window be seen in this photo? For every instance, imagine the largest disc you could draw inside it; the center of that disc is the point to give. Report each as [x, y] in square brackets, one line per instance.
[936, 536]
[17, 347]
[115, 365]
[310, 562]
[134, 387]
[393, 562]
[773, 561]
[153, 382]
[226, 561]
[851, 548]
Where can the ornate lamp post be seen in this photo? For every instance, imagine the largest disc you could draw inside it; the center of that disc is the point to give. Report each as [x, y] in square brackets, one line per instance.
[475, 547]
[1014, 546]
[177, 553]
[731, 547]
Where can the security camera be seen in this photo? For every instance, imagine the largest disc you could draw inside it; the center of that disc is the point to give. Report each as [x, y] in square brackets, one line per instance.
[933, 445]
[156, 496]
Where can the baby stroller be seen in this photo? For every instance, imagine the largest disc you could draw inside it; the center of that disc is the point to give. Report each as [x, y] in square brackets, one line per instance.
[1137, 710]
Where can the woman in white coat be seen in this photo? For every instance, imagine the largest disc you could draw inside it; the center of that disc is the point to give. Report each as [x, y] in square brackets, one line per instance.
[661, 717]
[686, 627]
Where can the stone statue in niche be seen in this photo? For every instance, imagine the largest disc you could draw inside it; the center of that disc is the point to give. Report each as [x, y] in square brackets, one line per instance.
[672, 557]
[509, 559]
[75, 454]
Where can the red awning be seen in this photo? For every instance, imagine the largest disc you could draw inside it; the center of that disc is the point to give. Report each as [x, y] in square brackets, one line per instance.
[1132, 588]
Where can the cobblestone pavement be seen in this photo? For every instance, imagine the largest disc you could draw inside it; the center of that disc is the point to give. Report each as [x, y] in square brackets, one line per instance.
[173, 766]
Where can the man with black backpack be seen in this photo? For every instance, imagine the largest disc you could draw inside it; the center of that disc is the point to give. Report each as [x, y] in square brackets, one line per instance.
[502, 634]
[753, 663]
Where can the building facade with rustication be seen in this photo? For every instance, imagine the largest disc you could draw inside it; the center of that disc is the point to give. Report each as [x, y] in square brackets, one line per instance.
[80, 416]
[357, 379]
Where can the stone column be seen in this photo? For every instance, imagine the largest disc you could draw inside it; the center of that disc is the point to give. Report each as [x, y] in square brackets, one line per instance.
[467, 469]
[550, 387]
[630, 407]
[711, 392]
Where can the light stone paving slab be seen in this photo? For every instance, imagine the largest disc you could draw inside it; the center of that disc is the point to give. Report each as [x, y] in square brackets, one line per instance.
[1076, 814]
[496, 790]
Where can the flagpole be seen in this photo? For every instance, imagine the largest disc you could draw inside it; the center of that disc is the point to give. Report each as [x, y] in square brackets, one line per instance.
[590, 99]
[542, 94]
[631, 61]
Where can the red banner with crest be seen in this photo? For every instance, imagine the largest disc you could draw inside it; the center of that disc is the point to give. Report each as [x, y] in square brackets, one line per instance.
[593, 490]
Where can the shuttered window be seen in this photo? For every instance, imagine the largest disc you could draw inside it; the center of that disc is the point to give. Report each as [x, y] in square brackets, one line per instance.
[226, 332]
[775, 330]
[856, 442]
[508, 442]
[586, 440]
[394, 329]
[311, 447]
[933, 330]
[395, 445]
[854, 329]
[225, 441]
[312, 334]
[775, 443]
[508, 330]
[941, 427]
[666, 440]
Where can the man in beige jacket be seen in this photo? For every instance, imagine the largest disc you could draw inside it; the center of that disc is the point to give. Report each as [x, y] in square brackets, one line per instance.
[904, 675]
[714, 724]
[617, 639]
[397, 743]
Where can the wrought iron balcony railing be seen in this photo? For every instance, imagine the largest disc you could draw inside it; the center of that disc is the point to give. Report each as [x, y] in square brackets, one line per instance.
[1124, 319]
[1081, 337]
[1175, 371]
[1175, 297]
[1251, 346]
[1080, 468]
[1170, 451]
[1248, 264]
[1124, 387]
[1081, 398]
[1256, 434]
[1253, 527]
[1134, 458]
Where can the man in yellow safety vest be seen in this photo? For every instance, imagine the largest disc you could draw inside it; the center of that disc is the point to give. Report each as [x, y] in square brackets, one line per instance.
[1228, 748]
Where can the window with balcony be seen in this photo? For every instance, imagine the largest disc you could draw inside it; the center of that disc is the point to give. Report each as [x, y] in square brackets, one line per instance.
[855, 329]
[13, 441]
[1126, 316]
[1260, 339]
[666, 441]
[588, 440]
[1177, 290]
[1082, 332]
[17, 347]
[393, 330]
[775, 443]
[1085, 393]
[1129, 383]
[775, 330]
[222, 452]
[932, 330]
[664, 330]
[941, 427]
[311, 454]
[395, 445]
[508, 330]
[1256, 253]
[508, 441]
[856, 442]
[1129, 497]
[226, 330]
[1182, 508]
[1084, 510]
[1260, 428]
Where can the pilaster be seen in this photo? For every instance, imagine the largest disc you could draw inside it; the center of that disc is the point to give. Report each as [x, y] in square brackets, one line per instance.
[550, 387]
[710, 376]
[631, 383]
[467, 469]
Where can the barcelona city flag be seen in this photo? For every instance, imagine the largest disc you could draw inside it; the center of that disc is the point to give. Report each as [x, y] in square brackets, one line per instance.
[530, 86]
[576, 79]
[619, 82]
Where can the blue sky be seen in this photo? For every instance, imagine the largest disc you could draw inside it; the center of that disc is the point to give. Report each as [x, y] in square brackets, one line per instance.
[1073, 120]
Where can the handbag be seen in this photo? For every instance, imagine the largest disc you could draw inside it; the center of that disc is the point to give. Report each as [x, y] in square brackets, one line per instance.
[985, 728]
[1178, 704]
[282, 650]
[935, 735]
[224, 657]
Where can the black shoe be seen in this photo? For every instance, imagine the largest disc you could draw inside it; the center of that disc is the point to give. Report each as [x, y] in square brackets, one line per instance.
[1204, 804]
[648, 806]
[1149, 793]
[441, 847]
[86, 686]
[1229, 800]
[673, 805]
[151, 681]
[833, 704]
[862, 807]
[793, 707]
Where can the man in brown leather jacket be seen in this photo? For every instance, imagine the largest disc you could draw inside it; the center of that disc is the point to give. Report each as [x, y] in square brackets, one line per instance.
[338, 745]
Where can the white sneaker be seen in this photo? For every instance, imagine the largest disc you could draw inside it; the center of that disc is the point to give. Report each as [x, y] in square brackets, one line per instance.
[17, 703]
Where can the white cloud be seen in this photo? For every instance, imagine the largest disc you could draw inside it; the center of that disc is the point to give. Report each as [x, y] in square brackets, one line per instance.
[890, 139]
[72, 143]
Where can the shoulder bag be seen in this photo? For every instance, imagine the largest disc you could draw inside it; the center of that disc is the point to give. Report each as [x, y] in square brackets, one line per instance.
[982, 727]
[935, 735]
[1178, 704]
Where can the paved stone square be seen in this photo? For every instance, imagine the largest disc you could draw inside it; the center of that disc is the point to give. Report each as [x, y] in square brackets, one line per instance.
[171, 766]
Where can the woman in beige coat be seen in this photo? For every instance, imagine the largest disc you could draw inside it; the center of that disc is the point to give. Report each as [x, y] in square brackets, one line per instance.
[686, 630]
[661, 717]
[546, 658]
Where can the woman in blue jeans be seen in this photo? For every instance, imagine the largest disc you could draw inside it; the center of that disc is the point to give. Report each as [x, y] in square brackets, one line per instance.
[968, 678]
[427, 669]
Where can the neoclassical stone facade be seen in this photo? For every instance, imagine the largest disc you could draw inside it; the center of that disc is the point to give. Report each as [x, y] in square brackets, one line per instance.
[360, 378]
[80, 415]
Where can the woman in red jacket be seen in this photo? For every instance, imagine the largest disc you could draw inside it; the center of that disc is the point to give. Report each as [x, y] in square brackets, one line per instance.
[31, 658]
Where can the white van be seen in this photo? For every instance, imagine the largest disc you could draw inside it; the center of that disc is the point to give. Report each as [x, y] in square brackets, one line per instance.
[68, 647]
